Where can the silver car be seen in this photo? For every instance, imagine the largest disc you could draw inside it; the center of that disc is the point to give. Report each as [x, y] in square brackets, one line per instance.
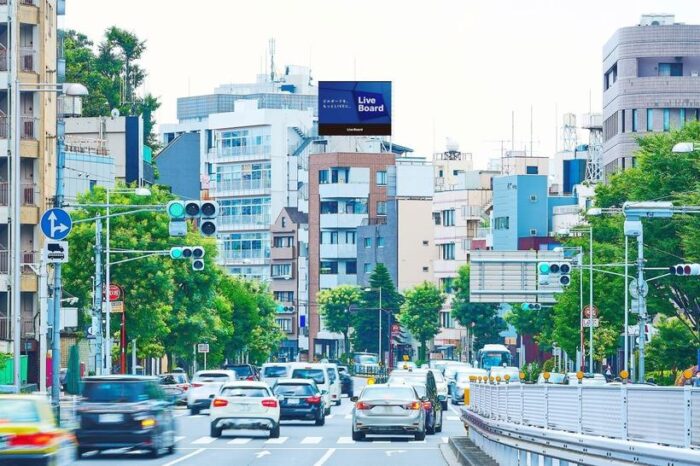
[388, 409]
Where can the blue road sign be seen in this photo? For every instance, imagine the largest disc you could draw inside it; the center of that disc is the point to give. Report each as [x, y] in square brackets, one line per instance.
[56, 224]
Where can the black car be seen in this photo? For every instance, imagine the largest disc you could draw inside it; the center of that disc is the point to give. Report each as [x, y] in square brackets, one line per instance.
[243, 371]
[424, 383]
[346, 382]
[300, 400]
[122, 411]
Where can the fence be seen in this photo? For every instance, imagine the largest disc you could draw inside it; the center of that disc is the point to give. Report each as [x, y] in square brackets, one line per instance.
[660, 415]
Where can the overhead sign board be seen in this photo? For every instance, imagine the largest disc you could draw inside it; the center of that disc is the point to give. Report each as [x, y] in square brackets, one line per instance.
[56, 252]
[203, 347]
[56, 224]
[354, 108]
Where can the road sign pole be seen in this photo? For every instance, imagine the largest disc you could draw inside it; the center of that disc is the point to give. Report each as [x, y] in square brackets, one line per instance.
[590, 298]
[642, 304]
[108, 319]
[99, 342]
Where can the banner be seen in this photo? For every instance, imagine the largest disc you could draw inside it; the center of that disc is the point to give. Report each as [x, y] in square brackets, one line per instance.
[354, 108]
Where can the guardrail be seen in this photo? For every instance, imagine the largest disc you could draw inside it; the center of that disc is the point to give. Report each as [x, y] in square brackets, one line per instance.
[659, 415]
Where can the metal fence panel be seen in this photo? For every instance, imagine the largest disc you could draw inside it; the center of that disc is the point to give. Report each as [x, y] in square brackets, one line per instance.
[502, 391]
[563, 414]
[656, 415]
[695, 417]
[601, 411]
[514, 410]
[533, 405]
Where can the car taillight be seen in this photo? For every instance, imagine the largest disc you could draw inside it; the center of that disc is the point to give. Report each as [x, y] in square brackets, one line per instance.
[38, 439]
[314, 400]
[250, 377]
[195, 384]
[413, 406]
[219, 403]
[427, 405]
[361, 405]
[269, 403]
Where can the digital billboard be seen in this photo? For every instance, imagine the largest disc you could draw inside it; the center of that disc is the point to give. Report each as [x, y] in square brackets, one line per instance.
[354, 108]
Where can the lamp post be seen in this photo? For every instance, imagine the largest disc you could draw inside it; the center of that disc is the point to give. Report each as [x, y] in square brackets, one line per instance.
[379, 312]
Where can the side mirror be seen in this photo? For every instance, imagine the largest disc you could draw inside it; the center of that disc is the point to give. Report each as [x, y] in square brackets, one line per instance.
[354, 399]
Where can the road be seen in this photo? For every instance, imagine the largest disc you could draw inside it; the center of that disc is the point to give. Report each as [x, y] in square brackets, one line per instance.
[300, 444]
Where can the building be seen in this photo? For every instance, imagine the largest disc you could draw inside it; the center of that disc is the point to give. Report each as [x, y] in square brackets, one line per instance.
[651, 83]
[29, 54]
[518, 162]
[88, 164]
[179, 164]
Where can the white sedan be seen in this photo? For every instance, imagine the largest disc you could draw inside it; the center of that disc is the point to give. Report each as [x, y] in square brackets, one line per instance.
[245, 405]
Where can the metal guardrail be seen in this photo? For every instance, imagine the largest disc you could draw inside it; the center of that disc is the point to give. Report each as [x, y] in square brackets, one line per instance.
[659, 415]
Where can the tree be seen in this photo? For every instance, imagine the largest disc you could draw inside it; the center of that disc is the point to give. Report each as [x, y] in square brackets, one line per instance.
[365, 335]
[334, 306]
[420, 313]
[481, 318]
[673, 347]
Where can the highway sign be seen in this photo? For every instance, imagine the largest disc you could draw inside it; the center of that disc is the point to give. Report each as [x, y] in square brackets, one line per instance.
[115, 292]
[56, 224]
[203, 347]
[587, 312]
[587, 322]
[56, 252]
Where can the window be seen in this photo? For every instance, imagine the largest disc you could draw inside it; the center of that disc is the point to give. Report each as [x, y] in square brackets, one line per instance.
[635, 120]
[283, 241]
[681, 117]
[329, 268]
[622, 117]
[380, 241]
[340, 175]
[323, 177]
[245, 211]
[466, 244]
[350, 237]
[351, 267]
[670, 69]
[448, 218]
[281, 270]
[445, 320]
[533, 232]
[501, 223]
[381, 178]
[284, 296]
[381, 207]
[243, 176]
[447, 251]
[533, 198]
[367, 268]
[436, 218]
[237, 246]
[446, 284]
[667, 119]
[285, 325]
[610, 77]
[426, 269]
[329, 237]
[650, 119]
[426, 243]
[249, 141]
[353, 206]
[532, 170]
[329, 207]
[368, 242]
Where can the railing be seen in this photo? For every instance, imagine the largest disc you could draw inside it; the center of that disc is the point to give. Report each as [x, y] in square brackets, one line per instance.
[3, 57]
[4, 262]
[29, 258]
[86, 145]
[26, 59]
[27, 126]
[658, 415]
[244, 185]
[28, 193]
[3, 127]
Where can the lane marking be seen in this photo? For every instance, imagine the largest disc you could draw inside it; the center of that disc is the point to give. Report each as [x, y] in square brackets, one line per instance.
[260, 454]
[345, 440]
[381, 441]
[186, 457]
[178, 438]
[348, 416]
[416, 441]
[445, 440]
[276, 441]
[239, 441]
[325, 457]
[452, 418]
[311, 440]
[204, 441]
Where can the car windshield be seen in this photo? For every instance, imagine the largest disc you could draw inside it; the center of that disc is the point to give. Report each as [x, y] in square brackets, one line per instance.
[295, 389]
[410, 377]
[18, 411]
[211, 377]
[332, 375]
[314, 374]
[117, 391]
[421, 390]
[366, 359]
[241, 371]
[255, 392]
[275, 371]
[439, 378]
[464, 376]
[388, 393]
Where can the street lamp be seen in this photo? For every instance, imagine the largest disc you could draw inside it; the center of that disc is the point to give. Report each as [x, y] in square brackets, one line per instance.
[381, 355]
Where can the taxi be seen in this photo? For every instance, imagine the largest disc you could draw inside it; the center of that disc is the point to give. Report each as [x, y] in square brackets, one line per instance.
[29, 434]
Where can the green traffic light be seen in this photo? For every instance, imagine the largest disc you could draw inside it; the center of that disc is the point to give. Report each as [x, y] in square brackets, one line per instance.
[176, 253]
[176, 209]
[543, 267]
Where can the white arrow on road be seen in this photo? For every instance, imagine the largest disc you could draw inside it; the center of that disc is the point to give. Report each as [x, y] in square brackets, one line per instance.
[260, 454]
[391, 452]
[56, 228]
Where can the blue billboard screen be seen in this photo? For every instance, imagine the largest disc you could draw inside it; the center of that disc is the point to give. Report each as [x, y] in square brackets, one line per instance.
[354, 108]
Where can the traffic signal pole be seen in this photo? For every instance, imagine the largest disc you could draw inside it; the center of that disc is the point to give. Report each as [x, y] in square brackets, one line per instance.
[642, 304]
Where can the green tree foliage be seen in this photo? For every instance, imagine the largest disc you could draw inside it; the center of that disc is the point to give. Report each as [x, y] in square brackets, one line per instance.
[420, 313]
[673, 348]
[112, 74]
[365, 336]
[481, 318]
[334, 306]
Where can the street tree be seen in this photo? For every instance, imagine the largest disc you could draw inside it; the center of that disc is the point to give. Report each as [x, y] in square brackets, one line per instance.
[420, 313]
[334, 306]
[673, 348]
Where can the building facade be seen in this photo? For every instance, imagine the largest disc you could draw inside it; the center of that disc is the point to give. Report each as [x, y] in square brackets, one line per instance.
[651, 83]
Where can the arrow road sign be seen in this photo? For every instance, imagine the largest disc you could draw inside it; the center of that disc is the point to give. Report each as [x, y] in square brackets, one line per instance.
[56, 224]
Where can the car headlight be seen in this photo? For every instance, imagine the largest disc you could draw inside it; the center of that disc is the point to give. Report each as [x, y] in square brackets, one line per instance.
[148, 423]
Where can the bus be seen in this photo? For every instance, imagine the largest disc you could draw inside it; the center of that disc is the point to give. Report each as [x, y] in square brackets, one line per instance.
[494, 355]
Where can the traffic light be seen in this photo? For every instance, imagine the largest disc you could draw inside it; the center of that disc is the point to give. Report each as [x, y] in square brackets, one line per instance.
[176, 253]
[176, 212]
[543, 270]
[564, 274]
[192, 209]
[198, 265]
[209, 210]
[197, 252]
[684, 270]
[558, 272]
[531, 307]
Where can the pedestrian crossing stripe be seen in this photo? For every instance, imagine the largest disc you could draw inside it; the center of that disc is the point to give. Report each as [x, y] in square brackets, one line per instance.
[239, 441]
[345, 440]
[277, 441]
[178, 438]
[203, 441]
[311, 440]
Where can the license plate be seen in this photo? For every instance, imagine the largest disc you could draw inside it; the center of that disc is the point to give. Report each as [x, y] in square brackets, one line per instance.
[293, 401]
[111, 418]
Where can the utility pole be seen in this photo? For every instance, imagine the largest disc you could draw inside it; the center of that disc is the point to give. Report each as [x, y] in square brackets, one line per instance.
[97, 313]
[642, 303]
[14, 160]
[381, 355]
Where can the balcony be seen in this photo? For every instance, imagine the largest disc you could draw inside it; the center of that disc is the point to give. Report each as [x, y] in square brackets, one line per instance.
[27, 60]
[27, 127]
[27, 194]
[242, 187]
[282, 253]
[338, 251]
[241, 154]
[343, 190]
[342, 220]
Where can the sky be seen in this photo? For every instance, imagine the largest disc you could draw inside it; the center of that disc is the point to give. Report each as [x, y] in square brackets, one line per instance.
[459, 68]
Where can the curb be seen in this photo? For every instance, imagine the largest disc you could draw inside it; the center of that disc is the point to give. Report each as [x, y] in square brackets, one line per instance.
[468, 454]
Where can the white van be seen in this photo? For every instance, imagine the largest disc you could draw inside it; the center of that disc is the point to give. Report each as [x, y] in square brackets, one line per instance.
[316, 372]
[271, 371]
[335, 388]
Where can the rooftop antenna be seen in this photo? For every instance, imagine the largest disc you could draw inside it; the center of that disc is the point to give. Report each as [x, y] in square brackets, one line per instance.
[272, 59]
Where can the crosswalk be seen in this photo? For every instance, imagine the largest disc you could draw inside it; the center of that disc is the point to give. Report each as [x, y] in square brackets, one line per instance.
[310, 440]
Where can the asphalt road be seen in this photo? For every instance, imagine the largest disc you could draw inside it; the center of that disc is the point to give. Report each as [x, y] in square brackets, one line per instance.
[300, 444]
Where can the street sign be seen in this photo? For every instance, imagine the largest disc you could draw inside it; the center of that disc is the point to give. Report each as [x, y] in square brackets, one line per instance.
[203, 347]
[587, 322]
[395, 329]
[117, 307]
[56, 252]
[56, 224]
[587, 312]
[636, 291]
[115, 293]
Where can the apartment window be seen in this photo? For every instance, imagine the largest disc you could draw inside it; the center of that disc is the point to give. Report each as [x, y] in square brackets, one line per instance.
[245, 211]
[250, 141]
[368, 242]
[670, 69]
[323, 177]
[381, 207]
[681, 117]
[353, 206]
[532, 170]
[437, 218]
[329, 237]
[350, 237]
[448, 218]
[351, 268]
[340, 175]
[667, 119]
[447, 251]
[466, 244]
[426, 243]
[533, 198]
[246, 246]
[329, 207]
[635, 120]
[426, 269]
[329, 268]
[281, 270]
[446, 284]
[285, 325]
[367, 268]
[445, 320]
[243, 176]
[284, 296]
[380, 241]
[381, 178]
[283, 241]
[650, 119]
[610, 76]
[501, 223]
[533, 232]
[622, 117]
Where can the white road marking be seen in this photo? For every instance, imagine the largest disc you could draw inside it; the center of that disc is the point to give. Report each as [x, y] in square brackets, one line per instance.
[330, 416]
[260, 454]
[391, 452]
[178, 438]
[186, 457]
[345, 440]
[452, 418]
[416, 441]
[325, 457]
[203, 441]
[381, 441]
[311, 440]
[445, 440]
[239, 441]
[277, 441]
[348, 416]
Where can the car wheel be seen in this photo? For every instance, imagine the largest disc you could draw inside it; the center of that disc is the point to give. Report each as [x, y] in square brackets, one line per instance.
[358, 436]
[443, 404]
[430, 427]
[157, 444]
[194, 411]
[439, 428]
[214, 431]
[275, 432]
[81, 452]
[321, 420]
[420, 436]
[327, 411]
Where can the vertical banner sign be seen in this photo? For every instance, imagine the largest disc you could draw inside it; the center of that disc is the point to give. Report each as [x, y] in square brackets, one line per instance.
[354, 108]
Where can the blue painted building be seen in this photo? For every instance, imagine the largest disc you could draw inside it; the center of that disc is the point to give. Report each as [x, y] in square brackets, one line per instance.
[178, 166]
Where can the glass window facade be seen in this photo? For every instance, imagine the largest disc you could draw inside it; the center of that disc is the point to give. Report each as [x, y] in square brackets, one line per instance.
[351, 268]
[635, 120]
[245, 211]
[650, 119]
[381, 178]
[243, 177]
[381, 207]
[667, 119]
[282, 270]
[252, 245]
[252, 273]
[245, 141]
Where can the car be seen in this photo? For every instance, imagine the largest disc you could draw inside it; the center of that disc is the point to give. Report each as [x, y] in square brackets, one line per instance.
[501, 371]
[387, 409]
[347, 385]
[439, 364]
[318, 373]
[461, 382]
[442, 388]
[554, 378]
[423, 380]
[244, 405]
[588, 379]
[125, 411]
[177, 384]
[451, 369]
[406, 365]
[334, 386]
[365, 363]
[300, 399]
[243, 371]
[272, 371]
[29, 433]
[205, 385]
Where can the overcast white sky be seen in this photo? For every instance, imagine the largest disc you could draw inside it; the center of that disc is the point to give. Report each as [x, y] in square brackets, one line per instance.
[459, 67]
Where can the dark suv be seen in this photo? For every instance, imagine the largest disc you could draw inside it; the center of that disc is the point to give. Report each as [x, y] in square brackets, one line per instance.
[424, 383]
[300, 399]
[121, 411]
[243, 371]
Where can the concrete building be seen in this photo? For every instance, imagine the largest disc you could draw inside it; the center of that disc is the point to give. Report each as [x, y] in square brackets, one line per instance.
[179, 164]
[88, 164]
[651, 83]
[520, 163]
[28, 54]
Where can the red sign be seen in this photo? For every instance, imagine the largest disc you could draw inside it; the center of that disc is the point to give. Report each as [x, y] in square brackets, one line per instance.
[395, 329]
[115, 292]
[587, 312]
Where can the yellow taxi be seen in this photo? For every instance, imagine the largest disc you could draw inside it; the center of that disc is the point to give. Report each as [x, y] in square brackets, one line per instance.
[29, 434]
